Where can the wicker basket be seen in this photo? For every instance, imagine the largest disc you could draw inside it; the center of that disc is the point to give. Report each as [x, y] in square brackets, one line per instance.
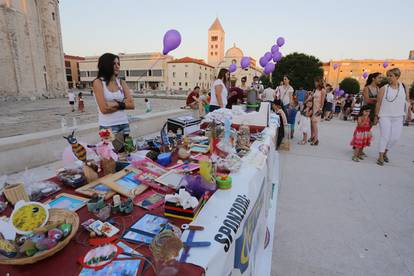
[55, 215]
[15, 192]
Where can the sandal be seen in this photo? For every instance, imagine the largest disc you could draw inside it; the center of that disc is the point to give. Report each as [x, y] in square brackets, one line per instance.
[354, 158]
[363, 154]
[386, 160]
[302, 142]
[360, 157]
[380, 162]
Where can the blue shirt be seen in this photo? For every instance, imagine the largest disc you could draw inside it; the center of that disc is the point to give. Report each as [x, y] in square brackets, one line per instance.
[300, 95]
[291, 115]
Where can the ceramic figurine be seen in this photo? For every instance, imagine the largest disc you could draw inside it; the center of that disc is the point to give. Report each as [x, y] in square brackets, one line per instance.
[55, 234]
[46, 244]
[78, 150]
[28, 248]
[7, 249]
[37, 237]
[126, 206]
[20, 240]
[129, 144]
[243, 138]
[66, 229]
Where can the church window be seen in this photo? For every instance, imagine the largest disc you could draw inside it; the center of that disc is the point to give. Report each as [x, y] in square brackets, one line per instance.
[214, 38]
[211, 53]
[53, 16]
[216, 46]
[215, 53]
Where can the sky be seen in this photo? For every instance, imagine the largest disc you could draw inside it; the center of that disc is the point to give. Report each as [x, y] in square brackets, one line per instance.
[329, 30]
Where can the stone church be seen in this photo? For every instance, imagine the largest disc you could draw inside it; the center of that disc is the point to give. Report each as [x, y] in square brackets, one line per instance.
[31, 55]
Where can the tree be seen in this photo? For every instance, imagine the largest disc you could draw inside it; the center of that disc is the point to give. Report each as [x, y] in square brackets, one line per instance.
[265, 79]
[301, 69]
[350, 85]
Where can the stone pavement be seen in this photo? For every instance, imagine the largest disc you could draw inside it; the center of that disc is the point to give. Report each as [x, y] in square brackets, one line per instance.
[338, 217]
[23, 117]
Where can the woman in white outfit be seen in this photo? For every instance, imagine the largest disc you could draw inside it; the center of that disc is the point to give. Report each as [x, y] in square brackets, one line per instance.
[389, 112]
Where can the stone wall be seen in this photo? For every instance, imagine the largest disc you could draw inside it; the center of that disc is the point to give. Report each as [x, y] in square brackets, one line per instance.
[31, 56]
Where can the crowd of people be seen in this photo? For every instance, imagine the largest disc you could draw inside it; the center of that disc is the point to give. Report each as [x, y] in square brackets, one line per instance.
[388, 106]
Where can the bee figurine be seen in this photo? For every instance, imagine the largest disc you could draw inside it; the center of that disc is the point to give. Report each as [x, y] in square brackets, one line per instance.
[78, 150]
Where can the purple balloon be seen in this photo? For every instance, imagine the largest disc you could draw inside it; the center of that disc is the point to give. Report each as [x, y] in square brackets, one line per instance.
[263, 61]
[275, 48]
[232, 68]
[365, 75]
[172, 39]
[385, 64]
[269, 68]
[268, 56]
[335, 66]
[277, 56]
[245, 62]
[280, 41]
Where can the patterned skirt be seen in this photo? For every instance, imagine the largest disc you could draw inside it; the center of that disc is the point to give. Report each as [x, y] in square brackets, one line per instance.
[362, 137]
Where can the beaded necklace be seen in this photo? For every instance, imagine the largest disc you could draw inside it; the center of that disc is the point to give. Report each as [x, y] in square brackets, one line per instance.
[396, 96]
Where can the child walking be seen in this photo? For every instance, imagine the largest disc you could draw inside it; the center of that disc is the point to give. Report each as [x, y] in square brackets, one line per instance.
[362, 134]
[291, 117]
[81, 104]
[305, 121]
[148, 107]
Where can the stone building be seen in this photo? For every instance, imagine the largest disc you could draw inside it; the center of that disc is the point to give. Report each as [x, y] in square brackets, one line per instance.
[234, 55]
[216, 38]
[186, 73]
[356, 68]
[31, 56]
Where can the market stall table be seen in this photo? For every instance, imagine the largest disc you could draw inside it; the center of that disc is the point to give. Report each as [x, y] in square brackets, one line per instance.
[234, 223]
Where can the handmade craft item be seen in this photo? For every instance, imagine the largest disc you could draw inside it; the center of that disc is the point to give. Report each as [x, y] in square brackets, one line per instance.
[243, 138]
[15, 193]
[78, 150]
[223, 182]
[206, 169]
[165, 248]
[67, 201]
[96, 188]
[183, 198]
[28, 216]
[125, 183]
[100, 256]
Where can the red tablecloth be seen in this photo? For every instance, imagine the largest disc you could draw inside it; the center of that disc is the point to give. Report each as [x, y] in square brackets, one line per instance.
[65, 261]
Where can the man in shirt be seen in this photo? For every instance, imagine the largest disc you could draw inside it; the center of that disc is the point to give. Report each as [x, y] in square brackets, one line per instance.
[286, 92]
[257, 87]
[268, 95]
[71, 96]
[192, 98]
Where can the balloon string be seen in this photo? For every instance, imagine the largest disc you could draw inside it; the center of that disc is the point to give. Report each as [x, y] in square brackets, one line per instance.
[152, 66]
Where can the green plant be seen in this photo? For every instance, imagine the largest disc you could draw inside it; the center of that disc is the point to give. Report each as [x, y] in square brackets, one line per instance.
[350, 85]
[301, 69]
[266, 81]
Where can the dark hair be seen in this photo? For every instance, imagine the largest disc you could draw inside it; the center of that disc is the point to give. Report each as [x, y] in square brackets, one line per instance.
[319, 82]
[371, 77]
[80, 94]
[286, 76]
[145, 100]
[197, 87]
[363, 108]
[106, 67]
[222, 75]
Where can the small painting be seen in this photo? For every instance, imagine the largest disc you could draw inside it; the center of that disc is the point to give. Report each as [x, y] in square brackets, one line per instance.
[68, 202]
[151, 167]
[126, 182]
[96, 187]
[151, 224]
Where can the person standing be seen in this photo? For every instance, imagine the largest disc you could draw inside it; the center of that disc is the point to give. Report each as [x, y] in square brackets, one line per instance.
[329, 103]
[81, 104]
[257, 87]
[148, 107]
[219, 90]
[71, 97]
[389, 112]
[362, 134]
[370, 93]
[268, 94]
[300, 97]
[318, 100]
[285, 92]
[112, 95]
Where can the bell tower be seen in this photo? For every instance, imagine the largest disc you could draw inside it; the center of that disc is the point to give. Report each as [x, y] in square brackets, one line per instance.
[215, 43]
